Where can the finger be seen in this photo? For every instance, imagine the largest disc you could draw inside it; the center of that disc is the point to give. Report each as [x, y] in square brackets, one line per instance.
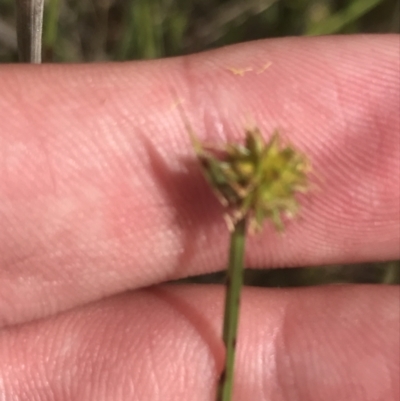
[99, 189]
[326, 343]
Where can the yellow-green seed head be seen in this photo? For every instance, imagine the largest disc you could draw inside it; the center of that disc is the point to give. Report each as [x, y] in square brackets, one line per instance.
[257, 180]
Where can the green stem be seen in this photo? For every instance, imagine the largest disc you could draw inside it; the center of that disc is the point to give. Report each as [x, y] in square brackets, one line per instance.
[234, 282]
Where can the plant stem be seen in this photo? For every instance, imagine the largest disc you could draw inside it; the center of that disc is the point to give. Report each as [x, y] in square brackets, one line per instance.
[234, 280]
[29, 30]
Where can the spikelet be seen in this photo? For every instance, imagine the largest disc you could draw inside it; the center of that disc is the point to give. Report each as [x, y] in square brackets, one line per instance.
[257, 180]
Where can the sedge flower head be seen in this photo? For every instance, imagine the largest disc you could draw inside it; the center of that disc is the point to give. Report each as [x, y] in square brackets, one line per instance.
[257, 180]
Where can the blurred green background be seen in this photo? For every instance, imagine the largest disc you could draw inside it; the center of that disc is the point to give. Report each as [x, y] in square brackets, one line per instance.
[101, 30]
[95, 30]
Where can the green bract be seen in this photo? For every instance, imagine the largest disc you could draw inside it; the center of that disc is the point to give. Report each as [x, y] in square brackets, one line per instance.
[257, 180]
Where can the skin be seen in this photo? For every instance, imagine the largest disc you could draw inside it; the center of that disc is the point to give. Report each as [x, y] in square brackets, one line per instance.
[101, 202]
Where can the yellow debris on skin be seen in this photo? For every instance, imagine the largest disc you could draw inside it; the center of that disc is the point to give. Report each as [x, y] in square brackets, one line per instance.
[264, 67]
[239, 71]
[242, 71]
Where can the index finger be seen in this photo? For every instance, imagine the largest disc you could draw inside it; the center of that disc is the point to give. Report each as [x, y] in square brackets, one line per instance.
[99, 192]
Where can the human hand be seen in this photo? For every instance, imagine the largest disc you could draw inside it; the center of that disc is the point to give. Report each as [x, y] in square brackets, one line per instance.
[98, 206]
